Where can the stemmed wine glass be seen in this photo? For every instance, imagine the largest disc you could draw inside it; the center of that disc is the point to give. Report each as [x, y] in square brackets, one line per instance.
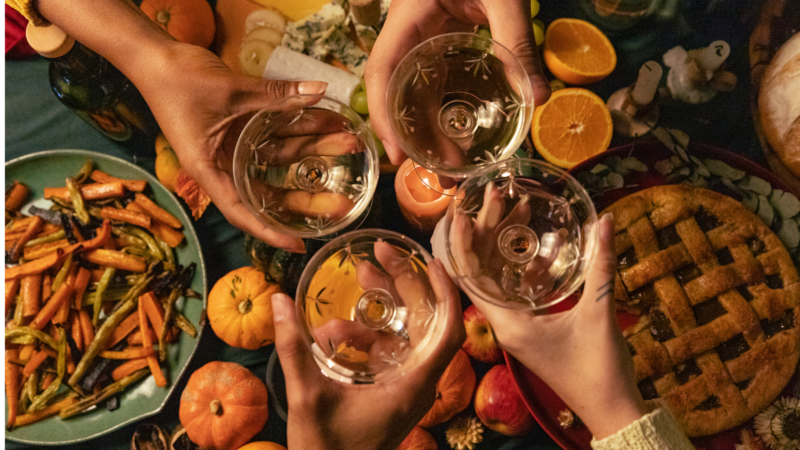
[520, 235]
[306, 166]
[459, 102]
[366, 306]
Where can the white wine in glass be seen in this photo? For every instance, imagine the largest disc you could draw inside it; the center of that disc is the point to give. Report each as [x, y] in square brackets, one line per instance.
[458, 102]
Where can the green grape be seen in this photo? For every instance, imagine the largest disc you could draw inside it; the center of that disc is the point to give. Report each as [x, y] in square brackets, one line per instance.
[534, 8]
[538, 31]
[359, 102]
[485, 33]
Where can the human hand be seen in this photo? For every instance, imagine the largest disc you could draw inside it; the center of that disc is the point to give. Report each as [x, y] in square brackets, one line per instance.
[411, 22]
[202, 107]
[327, 414]
[580, 353]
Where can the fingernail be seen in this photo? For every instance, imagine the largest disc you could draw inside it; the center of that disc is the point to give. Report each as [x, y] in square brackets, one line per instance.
[297, 247]
[278, 308]
[312, 87]
[607, 229]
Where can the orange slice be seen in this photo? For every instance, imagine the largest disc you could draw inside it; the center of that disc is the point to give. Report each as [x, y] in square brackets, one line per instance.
[571, 127]
[577, 52]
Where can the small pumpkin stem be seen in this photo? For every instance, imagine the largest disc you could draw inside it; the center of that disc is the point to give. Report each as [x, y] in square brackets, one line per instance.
[245, 306]
[162, 17]
[216, 407]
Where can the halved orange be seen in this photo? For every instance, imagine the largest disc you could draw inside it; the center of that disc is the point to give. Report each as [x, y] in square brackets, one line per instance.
[572, 126]
[577, 52]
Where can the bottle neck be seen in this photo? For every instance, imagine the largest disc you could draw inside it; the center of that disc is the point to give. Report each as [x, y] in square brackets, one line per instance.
[80, 60]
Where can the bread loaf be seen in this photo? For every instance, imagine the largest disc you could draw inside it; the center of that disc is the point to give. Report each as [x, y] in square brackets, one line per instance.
[779, 103]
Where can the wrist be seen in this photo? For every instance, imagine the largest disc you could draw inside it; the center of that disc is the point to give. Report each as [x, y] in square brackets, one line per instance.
[610, 416]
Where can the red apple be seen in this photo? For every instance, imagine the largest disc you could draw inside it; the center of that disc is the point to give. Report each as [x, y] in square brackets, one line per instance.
[418, 439]
[499, 405]
[480, 343]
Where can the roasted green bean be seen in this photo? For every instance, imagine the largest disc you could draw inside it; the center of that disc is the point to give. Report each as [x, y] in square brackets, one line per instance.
[40, 402]
[77, 201]
[54, 236]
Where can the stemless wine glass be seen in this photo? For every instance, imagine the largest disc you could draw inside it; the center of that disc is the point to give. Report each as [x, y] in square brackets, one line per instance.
[521, 234]
[306, 166]
[366, 306]
[458, 102]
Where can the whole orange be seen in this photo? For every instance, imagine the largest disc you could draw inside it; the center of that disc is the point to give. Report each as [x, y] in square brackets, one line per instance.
[577, 52]
[188, 21]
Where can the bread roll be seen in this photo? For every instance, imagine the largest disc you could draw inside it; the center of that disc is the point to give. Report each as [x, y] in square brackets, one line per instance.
[779, 103]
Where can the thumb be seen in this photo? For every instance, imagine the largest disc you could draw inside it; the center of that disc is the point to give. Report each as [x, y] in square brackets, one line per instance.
[511, 26]
[299, 367]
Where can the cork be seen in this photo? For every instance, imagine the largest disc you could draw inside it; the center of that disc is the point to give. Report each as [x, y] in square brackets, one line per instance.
[366, 12]
[49, 41]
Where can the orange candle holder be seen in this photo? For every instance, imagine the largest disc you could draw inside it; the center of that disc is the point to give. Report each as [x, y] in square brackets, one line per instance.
[422, 199]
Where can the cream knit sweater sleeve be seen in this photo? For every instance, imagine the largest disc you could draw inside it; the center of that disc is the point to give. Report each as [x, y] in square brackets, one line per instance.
[657, 430]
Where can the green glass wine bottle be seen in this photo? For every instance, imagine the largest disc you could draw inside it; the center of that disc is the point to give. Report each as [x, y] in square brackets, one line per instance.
[95, 90]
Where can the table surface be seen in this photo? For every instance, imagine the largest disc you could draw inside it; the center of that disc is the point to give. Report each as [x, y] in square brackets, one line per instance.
[35, 120]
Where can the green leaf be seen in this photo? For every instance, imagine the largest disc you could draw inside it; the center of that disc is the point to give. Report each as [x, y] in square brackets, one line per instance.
[614, 180]
[634, 164]
[721, 169]
[750, 201]
[685, 170]
[600, 169]
[789, 232]
[664, 167]
[701, 168]
[732, 186]
[785, 203]
[755, 184]
[765, 210]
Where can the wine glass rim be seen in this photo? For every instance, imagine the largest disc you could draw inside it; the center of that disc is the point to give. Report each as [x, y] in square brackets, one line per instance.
[591, 235]
[310, 270]
[303, 101]
[468, 170]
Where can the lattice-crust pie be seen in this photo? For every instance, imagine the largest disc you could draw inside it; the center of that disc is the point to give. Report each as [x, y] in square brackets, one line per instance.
[718, 336]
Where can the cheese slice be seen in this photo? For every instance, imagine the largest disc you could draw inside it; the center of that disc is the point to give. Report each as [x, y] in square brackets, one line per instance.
[294, 9]
[286, 64]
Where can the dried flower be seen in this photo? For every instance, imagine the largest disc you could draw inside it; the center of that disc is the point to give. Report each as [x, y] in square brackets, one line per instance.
[750, 441]
[779, 425]
[566, 418]
[464, 432]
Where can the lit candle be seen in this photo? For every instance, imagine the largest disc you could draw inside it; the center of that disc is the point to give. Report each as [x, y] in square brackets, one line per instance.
[422, 199]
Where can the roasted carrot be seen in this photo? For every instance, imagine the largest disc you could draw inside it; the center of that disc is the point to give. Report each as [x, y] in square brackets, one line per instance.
[97, 191]
[158, 212]
[12, 385]
[36, 360]
[128, 216]
[47, 228]
[116, 259]
[31, 294]
[19, 224]
[76, 330]
[48, 379]
[35, 266]
[152, 360]
[103, 236]
[26, 351]
[81, 283]
[128, 368]
[9, 246]
[52, 410]
[131, 352]
[41, 250]
[33, 228]
[125, 327]
[47, 287]
[62, 315]
[61, 295]
[16, 196]
[171, 236]
[12, 288]
[131, 185]
[87, 331]
[154, 310]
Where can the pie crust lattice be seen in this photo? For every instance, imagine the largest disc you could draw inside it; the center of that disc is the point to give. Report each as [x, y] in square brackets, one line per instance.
[719, 298]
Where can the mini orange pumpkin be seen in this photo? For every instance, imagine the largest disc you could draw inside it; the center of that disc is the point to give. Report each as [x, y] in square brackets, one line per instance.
[453, 391]
[223, 406]
[240, 308]
[188, 21]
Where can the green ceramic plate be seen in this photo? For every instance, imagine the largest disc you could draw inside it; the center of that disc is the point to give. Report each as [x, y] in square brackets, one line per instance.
[50, 169]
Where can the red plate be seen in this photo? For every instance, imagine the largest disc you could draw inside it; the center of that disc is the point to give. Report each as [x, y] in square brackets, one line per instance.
[543, 403]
